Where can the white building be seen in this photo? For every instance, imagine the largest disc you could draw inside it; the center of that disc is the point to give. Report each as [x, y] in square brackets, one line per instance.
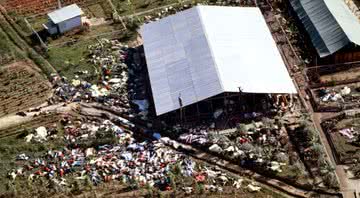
[64, 19]
[208, 50]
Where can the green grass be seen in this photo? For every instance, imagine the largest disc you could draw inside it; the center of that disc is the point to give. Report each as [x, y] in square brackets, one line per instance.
[15, 35]
[94, 31]
[8, 51]
[96, 11]
[69, 59]
[37, 22]
[124, 8]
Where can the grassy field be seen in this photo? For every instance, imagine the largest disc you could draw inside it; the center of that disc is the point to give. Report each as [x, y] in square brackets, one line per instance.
[128, 7]
[70, 59]
[8, 51]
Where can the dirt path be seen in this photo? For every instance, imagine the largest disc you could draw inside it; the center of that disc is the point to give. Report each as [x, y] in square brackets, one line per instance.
[12, 119]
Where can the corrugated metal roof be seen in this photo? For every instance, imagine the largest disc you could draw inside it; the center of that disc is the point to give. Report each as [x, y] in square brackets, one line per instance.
[65, 13]
[330, 24]
[208, 50]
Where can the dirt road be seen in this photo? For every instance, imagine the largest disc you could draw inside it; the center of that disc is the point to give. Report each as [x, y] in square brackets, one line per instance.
[12, 119]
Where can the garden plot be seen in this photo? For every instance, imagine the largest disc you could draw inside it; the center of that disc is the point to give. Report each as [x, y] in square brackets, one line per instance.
[337, 97]
[344, 134]
[21, 87]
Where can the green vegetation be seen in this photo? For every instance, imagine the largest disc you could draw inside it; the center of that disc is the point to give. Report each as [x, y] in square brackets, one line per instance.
[128, 7]
[69, 59]
[16, 37]
[96, 11]
[8, 51]
[69, 55]
[36, 23]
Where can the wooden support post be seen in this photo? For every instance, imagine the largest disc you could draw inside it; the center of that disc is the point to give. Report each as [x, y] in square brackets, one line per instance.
[59, 4]
[197, 110]
[225, 106]
[211, 106]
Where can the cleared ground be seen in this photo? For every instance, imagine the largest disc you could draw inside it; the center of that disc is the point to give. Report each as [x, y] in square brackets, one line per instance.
[353, 73]
[21, 87]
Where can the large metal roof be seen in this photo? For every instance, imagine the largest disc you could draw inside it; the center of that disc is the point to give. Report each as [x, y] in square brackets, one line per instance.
[207, 50]
[65, 13]
[330, 24]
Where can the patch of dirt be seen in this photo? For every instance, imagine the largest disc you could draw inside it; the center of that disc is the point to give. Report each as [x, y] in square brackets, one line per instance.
[21, 87]
[352, 73]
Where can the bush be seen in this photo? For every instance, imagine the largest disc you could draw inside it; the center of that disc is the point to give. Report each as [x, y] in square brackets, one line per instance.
[199, 188]
[41, 62]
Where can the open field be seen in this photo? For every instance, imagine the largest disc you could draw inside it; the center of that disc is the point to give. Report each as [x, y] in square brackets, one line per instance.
[69, 59]
[133, 6]
[21, 87]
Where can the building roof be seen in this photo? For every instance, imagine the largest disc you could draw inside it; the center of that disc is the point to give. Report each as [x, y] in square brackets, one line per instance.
[330, 24]
[65, 13]
[207, 50]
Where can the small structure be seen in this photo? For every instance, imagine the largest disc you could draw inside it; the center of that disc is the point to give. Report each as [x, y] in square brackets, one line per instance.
[209, 50]
[64, 19]
[333, 29]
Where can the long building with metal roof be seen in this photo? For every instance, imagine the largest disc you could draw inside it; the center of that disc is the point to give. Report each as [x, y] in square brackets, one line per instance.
[330, 24]
[208, 50]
